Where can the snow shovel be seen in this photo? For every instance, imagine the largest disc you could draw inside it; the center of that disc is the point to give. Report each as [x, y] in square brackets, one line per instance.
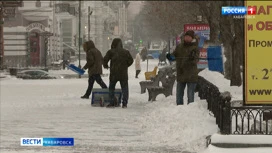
[76, 69]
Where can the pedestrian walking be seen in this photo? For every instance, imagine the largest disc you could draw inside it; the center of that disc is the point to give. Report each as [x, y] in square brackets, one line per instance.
[94, 64]
[120, 59]
[162, 57]
[144, 54]
[138, 64]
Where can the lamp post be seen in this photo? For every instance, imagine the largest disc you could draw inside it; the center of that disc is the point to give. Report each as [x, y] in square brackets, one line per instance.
[79, 31]
[1, 36]
[89, 22]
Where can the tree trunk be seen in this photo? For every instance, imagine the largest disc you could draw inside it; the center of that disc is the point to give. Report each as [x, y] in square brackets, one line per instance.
[238, 49]
[236, 79]
[227, 64]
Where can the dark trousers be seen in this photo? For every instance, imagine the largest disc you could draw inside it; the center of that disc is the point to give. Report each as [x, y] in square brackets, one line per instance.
[124, 87]
[137, 73]
[92, 79]
[190, 92]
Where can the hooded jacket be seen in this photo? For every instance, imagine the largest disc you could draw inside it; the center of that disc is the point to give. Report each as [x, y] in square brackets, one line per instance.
[94, 59]
[120, 59]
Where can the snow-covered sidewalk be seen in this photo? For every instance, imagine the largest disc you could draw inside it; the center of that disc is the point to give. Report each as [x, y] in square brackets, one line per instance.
[53, 108]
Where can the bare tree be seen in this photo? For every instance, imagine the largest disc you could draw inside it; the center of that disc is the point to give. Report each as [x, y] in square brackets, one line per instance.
[231, 33]
[238, 48]
[209, 10]
[169, 17]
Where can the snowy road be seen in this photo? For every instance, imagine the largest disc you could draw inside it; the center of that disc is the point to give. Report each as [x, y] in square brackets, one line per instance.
[52, 108]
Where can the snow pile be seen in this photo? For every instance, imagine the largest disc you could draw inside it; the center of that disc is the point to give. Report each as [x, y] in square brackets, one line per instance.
[2, 75]
[215, 78]
[5, 76]
[184, 127]
[245, 139]
[213, 149]
[222, 83]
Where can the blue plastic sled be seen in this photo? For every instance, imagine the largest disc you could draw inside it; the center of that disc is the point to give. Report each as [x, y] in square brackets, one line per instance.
[76, 69]
[100, 97]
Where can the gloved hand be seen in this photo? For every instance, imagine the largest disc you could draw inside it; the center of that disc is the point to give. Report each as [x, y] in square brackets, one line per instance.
[170, 57]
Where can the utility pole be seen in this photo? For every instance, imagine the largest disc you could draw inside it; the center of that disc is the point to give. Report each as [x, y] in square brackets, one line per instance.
[89, 22]
[79, 31]
[1, 36]
[45, 52]
[133, 34]
[54, 36]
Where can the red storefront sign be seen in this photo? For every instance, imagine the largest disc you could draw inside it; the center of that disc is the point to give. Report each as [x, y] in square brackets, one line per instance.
[203, 32]
[196, 27]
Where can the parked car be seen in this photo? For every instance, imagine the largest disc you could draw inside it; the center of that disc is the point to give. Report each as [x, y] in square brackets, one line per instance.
[37, 74]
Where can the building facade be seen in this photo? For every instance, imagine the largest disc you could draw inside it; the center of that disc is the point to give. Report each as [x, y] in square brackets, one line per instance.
[26, 46]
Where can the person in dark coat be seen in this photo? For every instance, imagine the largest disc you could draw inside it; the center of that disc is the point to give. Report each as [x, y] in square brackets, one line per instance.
[187, 57]
[120, 59]
[94, 64]
[162, 56]
[144, 54]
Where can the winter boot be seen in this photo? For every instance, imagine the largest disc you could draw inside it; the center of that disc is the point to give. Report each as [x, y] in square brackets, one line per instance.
[84, 97]
[124, 105]
[116, 102]
[110, 106]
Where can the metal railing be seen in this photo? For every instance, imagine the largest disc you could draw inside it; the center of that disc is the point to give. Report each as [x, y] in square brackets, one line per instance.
[218, 103]
[251, 120]
[243, 120]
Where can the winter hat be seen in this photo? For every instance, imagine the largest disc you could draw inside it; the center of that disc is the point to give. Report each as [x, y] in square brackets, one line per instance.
[190, 33]
[90, 44]
[116, 42]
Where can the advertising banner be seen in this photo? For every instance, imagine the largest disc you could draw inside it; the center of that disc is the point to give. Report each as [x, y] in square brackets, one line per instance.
[258, 53]
[203, 33]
